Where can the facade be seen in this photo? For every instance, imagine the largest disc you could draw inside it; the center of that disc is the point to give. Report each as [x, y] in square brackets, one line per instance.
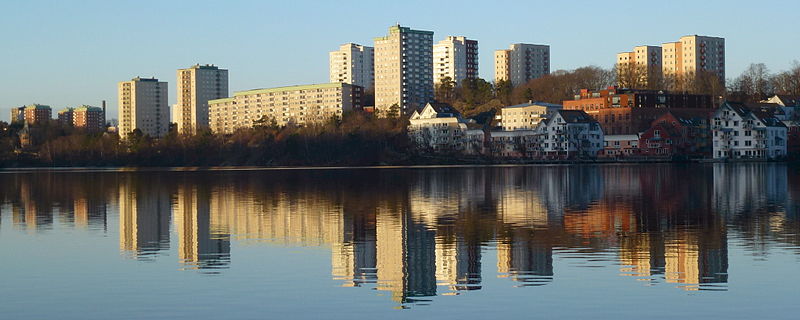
[66, 116]
[525, 116]
[89, 118]
[643, 63]
[143, 105]
[36, 113]
[743, 133]
[694, 53]
[17, 115]
[620, 146]
[455, 58]
[569, 134]
[353, 64]
[403, 70]
[678, 132]
[298, 105]
[438, 128]
[521, 62]
[196, 86]
[513, 144]
[626, 111]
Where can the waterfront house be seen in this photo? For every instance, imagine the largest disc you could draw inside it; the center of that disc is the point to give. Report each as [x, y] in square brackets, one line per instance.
[742, 132]
[569, 134]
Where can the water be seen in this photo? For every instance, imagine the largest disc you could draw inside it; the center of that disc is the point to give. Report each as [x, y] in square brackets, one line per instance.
[622, 241]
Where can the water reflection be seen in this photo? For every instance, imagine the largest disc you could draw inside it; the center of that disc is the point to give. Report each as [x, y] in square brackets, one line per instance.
[413, 234]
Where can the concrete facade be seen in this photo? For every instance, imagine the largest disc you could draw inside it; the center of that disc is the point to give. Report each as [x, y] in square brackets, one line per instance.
[403, 70]
[522, 62]
[299, 105]
[456, 58]
[196, 86]
[739, 132]
[143, 105]
[353, 64]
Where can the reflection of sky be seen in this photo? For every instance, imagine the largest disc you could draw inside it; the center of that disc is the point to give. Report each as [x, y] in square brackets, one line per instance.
[72, 271]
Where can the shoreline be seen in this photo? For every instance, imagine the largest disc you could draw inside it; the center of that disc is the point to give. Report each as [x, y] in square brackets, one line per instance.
[412, 166]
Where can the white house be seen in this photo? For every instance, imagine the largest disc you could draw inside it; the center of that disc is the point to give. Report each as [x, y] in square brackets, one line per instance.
[569, 134]
[740, 132]
[438, 128]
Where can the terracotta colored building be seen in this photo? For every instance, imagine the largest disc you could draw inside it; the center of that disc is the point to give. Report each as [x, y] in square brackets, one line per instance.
[625, 111]
[89, 118]
[37, 113]
[678, 132]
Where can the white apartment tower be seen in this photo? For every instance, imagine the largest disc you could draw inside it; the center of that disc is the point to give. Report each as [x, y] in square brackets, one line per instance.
[143, 105]
[456, 58]
[693, 53]
[353, 64]
[521, 62]
[403, 69]
[196, 85]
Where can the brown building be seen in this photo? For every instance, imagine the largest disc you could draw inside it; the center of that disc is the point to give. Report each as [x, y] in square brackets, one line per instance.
[625, 111]
[89, 118]
[37, 113]
[66, 116]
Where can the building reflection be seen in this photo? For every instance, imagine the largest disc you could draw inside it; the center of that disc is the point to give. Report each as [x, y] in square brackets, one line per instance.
[412, 234]
[198, 246]
[144, 216]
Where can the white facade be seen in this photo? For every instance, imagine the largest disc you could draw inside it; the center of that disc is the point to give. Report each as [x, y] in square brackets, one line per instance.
[570, 133]
[741, 133]
[403, 70]
[143, 105]
[353, 64]
[442, 130]
[521, 63]
[513, 144]
[455, 58]
[196, 86]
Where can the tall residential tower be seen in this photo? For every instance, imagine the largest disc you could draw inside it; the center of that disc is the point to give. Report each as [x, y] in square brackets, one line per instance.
[353, 64]
[143, 105]
[456, 58]
[403, 69]
[693, 53]
[521, 62]
[196, 85]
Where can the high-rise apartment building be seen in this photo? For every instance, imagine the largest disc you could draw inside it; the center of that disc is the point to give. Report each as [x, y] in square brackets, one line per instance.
[692, 54]
[455, 58]
[353, 64]
[285, 105]
[196, 85]
[521, 62]
[89, 118]
[640, 66]
[403, 69]
[143, 105]
[36, 113]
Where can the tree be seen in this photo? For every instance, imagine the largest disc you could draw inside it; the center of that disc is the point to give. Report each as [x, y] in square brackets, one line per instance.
[754, 84]
[788, 82]
[445, 90]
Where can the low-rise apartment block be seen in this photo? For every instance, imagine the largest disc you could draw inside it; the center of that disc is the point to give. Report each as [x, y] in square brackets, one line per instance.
[525, 116]
[740, 132]
[297, 105]
[569, 134]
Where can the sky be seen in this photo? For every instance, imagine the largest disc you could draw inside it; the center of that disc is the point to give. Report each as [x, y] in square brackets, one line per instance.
[68, 53]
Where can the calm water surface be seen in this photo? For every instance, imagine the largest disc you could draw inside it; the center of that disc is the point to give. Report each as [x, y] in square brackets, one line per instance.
[622, 241]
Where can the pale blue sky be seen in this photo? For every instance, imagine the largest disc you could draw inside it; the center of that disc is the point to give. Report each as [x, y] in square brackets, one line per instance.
[67, 53]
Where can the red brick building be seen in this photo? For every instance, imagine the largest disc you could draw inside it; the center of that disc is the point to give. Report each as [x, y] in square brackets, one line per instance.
[678, 132]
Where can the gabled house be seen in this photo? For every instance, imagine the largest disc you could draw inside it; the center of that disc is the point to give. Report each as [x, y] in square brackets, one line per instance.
[569, 134]
[678, 132]
[740, 132]
[439, 128]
